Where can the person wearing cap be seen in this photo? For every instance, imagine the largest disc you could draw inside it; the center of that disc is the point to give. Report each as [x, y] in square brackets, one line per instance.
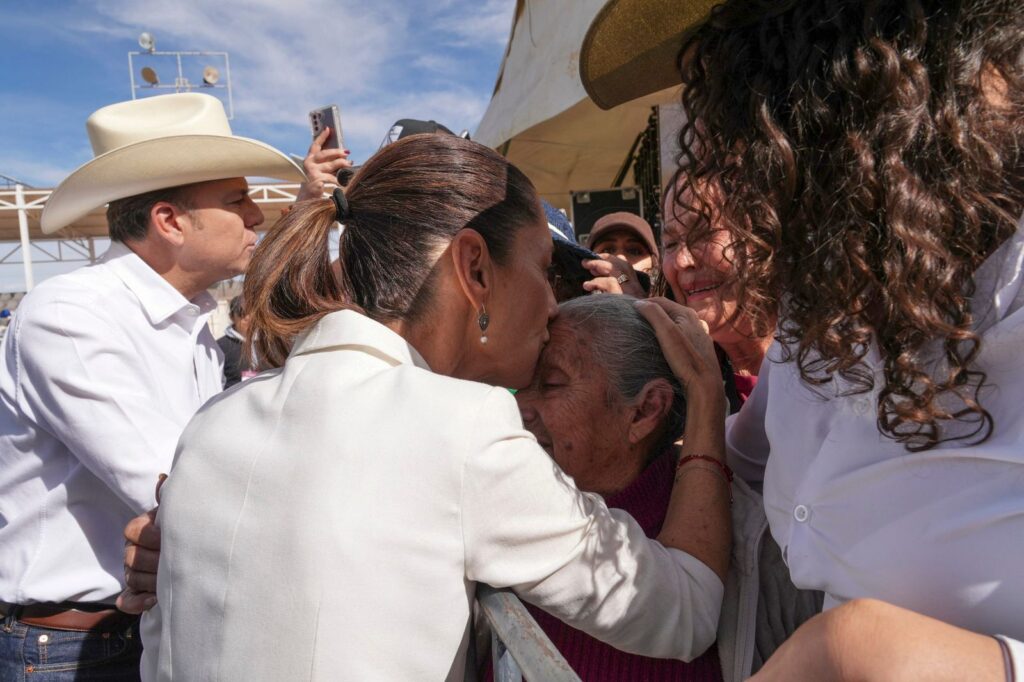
[104, 366]
[886, 426]
[627, 236]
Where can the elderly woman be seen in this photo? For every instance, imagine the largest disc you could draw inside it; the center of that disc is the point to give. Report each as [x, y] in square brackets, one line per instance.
[331, 519]
[606, 406]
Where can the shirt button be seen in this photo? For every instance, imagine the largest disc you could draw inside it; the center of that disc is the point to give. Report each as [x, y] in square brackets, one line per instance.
[801, 513]
[862, 406]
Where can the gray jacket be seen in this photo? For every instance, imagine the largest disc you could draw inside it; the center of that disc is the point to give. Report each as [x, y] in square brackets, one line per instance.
[761, 607]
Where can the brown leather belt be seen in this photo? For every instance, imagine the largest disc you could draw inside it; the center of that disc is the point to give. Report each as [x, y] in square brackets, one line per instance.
[66, 617]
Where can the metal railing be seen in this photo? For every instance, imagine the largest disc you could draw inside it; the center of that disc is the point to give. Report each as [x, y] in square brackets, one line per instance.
[518, 645]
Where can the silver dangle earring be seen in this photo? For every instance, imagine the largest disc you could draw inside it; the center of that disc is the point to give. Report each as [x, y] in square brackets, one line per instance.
[484, 320]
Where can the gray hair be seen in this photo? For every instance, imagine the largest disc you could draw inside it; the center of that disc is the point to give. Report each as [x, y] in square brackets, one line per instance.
[624, 343]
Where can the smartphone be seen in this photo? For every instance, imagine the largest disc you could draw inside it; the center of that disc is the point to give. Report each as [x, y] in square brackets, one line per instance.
[327, 117]
[567, 273]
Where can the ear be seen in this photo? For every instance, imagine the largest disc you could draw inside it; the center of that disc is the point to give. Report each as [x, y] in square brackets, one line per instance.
[473, 266]
[650, 408]
[169, 222]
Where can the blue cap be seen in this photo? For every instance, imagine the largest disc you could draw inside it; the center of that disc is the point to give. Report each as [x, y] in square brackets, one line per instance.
[561, 228]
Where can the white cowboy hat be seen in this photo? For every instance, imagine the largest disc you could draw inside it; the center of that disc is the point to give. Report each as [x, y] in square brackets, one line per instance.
[155, 143]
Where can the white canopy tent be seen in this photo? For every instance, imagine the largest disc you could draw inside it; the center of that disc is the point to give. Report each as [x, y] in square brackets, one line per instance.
[541, 118]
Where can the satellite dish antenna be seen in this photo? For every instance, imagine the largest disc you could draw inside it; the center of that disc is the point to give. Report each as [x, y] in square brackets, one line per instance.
[210, 75]
[149, 75]
[147, 42]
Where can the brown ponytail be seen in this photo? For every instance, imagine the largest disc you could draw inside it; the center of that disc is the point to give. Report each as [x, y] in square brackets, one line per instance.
[289, 285]
[405, 206]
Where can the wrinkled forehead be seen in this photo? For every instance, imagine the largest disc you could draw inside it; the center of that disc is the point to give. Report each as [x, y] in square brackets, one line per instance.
[569, 346]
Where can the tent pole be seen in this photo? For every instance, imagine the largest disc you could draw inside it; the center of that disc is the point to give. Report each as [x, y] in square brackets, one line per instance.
[26, 245]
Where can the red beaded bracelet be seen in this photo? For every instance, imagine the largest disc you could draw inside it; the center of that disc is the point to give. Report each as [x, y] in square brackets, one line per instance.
[723, 467]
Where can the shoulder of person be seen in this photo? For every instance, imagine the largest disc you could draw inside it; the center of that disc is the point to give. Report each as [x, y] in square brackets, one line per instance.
[461, 398]
[54, 297]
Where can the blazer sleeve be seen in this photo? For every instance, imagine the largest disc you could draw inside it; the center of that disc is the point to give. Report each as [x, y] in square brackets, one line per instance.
[528, 527]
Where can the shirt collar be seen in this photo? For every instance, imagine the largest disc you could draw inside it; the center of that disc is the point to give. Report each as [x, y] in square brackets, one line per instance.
[999, 281]
[159, 299]
[349, 329]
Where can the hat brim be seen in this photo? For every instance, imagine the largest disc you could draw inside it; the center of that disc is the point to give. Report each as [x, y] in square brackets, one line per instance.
[160, 163]
[632, 46]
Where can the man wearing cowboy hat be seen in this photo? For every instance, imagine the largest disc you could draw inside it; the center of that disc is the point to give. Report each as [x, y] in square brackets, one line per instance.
[104, 366]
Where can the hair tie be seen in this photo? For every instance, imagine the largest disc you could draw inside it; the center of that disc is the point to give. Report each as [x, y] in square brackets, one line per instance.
[340, 205]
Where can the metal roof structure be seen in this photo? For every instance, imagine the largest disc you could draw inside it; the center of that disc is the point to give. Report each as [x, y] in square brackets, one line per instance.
[20, 208]
[272, 198]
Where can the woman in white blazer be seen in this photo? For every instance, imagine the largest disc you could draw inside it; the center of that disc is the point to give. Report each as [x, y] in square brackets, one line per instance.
[330, 519]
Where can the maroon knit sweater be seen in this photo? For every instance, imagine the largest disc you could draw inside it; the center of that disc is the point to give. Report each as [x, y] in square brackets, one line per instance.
[646, 500]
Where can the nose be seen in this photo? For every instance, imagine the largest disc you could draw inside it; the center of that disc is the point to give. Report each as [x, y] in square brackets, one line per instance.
[254, 217]
[684, 257]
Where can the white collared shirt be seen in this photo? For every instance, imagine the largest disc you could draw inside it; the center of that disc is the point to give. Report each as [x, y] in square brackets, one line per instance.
[939, 532]
[103, 367]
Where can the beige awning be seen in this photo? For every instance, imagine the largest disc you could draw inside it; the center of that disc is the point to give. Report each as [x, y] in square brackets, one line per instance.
[540, 116]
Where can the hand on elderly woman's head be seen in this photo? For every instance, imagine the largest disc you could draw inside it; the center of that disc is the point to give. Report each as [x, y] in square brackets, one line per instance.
[685, 343]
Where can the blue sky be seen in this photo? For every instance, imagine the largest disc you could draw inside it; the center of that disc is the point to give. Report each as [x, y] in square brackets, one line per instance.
[379, 61]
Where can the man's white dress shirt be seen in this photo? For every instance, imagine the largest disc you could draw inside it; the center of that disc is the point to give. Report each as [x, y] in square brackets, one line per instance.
[102, 369]
[939, 532]
[330, 521]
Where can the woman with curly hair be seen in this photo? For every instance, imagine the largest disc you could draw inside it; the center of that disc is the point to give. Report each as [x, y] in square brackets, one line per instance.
[868, 155]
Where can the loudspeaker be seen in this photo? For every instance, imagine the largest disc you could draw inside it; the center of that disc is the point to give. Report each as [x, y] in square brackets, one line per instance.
[589, 206]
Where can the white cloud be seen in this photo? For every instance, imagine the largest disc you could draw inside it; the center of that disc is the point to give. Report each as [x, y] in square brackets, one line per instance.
[478, 24]
[34, 172]
[378, 61]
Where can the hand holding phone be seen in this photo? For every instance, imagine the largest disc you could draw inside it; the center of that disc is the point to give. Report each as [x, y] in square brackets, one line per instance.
[327, 117]
[325, 165]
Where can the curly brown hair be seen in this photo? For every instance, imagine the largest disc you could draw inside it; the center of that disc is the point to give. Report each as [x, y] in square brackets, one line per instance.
[870, 156]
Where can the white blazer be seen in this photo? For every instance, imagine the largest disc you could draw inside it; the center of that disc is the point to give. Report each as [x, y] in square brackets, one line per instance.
[330, 521]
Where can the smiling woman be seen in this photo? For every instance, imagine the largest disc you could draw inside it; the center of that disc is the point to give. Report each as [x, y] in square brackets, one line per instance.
[699, 266]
